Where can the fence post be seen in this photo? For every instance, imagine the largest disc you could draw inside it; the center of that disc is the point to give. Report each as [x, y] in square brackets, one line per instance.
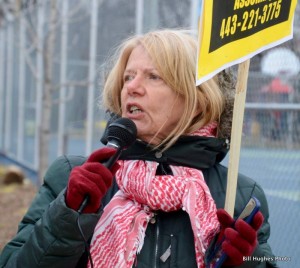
[21, 89]
[2, 63]
[63, 77]
[39, 82]
[139, 16]
[195, 12]
[9, 87]
[92, 75]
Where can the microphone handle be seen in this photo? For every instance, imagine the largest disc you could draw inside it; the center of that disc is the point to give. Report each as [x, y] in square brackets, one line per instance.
[109, 163]
[83, 204]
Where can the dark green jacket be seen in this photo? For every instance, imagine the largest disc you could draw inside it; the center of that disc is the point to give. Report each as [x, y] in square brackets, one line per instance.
[48, 235]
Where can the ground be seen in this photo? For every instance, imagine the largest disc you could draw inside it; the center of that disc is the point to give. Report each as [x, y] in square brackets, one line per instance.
[14, 202]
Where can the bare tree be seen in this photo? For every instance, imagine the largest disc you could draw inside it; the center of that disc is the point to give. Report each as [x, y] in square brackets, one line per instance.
[48, 54]
[44, 45]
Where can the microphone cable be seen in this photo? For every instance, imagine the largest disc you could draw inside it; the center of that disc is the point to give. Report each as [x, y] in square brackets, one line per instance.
[86, 244]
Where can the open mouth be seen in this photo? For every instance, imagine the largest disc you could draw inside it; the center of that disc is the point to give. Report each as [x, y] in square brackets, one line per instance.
[133, 109]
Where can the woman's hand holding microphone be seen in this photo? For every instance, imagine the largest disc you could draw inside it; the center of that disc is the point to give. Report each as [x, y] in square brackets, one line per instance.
[91, 179]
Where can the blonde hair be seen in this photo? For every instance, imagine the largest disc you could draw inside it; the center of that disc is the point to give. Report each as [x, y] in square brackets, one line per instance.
[174, 54]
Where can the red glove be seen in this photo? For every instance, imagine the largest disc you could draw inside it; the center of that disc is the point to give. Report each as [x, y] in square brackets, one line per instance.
[90, 179]
[240, 237]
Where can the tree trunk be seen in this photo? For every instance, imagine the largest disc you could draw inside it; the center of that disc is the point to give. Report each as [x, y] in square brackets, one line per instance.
[44, 134]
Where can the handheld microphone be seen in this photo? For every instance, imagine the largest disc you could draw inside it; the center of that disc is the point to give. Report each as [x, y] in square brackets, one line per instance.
[121, 133]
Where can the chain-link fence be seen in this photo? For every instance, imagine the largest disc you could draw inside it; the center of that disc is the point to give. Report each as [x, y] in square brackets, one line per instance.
[70, 51]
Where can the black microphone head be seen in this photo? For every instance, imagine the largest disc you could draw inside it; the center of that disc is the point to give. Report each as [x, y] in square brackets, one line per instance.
[122, 131]
[112, 117]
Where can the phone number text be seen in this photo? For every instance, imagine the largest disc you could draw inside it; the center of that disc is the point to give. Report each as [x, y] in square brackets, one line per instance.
[250, 19]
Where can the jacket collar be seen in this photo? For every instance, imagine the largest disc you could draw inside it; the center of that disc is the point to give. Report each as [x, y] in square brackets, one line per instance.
[191, 151]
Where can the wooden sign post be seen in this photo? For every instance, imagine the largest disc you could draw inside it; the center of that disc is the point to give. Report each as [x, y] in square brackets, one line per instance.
[236, 135]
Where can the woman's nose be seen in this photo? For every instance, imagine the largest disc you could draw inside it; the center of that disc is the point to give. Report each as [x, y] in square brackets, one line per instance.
[135, 86]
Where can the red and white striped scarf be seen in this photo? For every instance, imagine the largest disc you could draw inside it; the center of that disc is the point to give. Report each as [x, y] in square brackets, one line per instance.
[119, 234]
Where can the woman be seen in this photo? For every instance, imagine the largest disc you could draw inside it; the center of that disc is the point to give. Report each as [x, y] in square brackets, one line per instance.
[164, 208]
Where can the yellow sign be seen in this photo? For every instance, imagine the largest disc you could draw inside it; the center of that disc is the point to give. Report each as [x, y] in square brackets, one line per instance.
[231, 31]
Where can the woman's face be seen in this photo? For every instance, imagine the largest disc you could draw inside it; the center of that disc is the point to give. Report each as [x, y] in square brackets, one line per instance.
[146, 99]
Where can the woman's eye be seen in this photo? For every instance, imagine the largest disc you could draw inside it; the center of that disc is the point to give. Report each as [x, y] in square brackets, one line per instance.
[128, 78]
[154, 76]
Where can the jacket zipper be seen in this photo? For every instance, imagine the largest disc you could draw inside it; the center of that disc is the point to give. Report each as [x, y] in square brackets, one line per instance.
[157, 227]
[156, 243]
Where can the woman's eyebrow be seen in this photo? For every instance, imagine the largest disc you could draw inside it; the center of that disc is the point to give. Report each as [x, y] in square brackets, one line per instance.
[145, 70]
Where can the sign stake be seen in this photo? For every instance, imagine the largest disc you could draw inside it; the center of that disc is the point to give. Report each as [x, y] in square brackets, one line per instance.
[236, 135]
